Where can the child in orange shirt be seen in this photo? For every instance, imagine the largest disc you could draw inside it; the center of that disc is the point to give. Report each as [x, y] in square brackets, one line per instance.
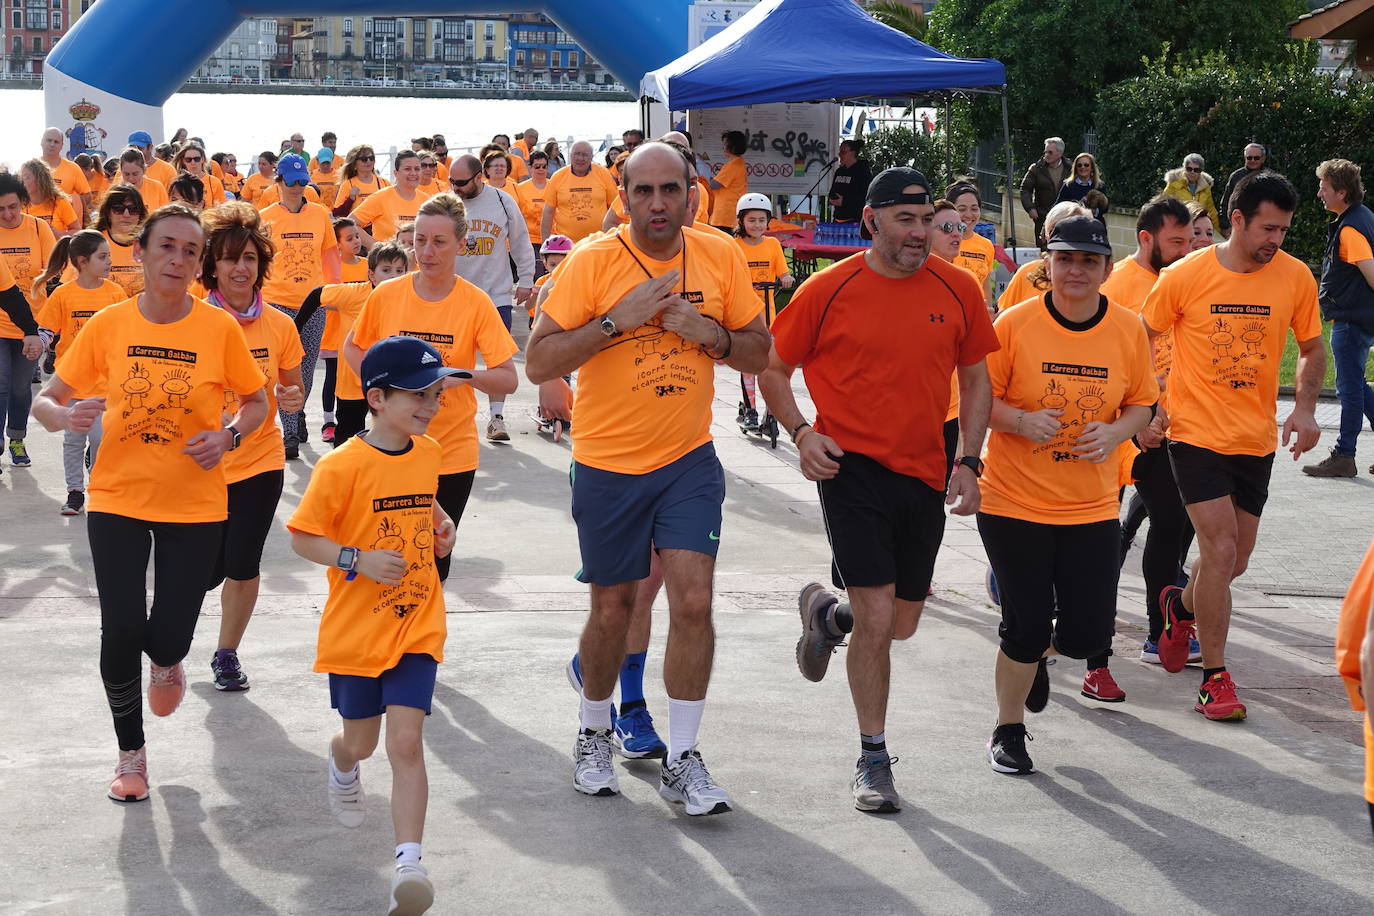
[353, 269]
[767, 268]
[383, 629]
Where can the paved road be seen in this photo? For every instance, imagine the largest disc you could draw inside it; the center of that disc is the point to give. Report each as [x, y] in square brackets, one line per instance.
[1141, 807]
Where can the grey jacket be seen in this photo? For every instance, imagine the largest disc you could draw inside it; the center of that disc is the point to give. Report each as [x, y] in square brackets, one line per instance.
[497, 234]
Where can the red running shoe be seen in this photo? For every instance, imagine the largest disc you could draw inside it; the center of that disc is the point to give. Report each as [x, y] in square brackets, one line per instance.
[327, 433]
[1099, 684]
[1174, 641]
[1216, 699]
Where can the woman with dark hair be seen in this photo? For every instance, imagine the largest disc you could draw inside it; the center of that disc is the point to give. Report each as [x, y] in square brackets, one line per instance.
[555, 156]
[133, 171]
[496, 169]
[229, 172]
[191, 159]
[262, 179]
[46, 201]
[238, 253]
[159, 367]
[360, 179]
[121, 211]
[187, 189]
[731, 182]
[849, 187]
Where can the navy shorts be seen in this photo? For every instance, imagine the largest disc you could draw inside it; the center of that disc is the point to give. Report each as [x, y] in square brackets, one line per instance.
[410, 683]
[621, 517]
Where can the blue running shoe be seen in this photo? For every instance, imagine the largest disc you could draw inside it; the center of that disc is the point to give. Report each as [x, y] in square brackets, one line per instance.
[574, 671]
[1149, 653]
[635, 738]
[994, 595]
[1194, 652]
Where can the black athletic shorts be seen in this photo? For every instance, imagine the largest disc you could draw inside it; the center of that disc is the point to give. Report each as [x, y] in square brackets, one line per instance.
[1203, 474]
[252, 508]
[884, 527]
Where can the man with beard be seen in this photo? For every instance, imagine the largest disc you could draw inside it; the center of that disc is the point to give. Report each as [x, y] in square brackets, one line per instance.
[878, 336]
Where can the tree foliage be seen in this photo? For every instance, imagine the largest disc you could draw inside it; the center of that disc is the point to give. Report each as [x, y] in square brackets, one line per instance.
[902, 16]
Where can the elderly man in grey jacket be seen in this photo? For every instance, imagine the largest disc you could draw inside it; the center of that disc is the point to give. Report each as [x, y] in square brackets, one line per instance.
[499, 259]
[1040, 187]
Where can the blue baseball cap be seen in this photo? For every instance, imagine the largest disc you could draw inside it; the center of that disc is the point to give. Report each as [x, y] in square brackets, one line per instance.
[140, 138]
[324, 155]
[292, 168]
[404, 363]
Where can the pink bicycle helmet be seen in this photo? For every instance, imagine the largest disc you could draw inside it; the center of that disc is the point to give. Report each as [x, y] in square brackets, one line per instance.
[556, 244]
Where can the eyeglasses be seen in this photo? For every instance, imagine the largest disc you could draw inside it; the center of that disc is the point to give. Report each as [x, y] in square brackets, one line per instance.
[126, 209]
[1192, 168]
[949, 226]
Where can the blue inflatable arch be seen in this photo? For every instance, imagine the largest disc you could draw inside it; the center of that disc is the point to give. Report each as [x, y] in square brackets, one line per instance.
[124, 60]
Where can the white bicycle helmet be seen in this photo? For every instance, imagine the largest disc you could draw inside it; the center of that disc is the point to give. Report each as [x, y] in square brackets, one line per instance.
[754, 202]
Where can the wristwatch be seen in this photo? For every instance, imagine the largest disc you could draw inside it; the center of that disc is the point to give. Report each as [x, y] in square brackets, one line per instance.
[236, 441]
[348, 561]
[973, 463]
[608, 326]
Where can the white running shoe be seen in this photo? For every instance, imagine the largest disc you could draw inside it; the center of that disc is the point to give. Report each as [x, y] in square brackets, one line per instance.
[687, 782]
[593, 772]
[411, 891]
[348, 803]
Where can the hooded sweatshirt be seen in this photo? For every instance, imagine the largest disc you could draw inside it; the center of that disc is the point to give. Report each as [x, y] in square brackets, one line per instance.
[497, 234]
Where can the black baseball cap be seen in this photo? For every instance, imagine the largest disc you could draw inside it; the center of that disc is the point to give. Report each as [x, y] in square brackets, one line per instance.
[888, 188]
[1080, 233]
[404, 363]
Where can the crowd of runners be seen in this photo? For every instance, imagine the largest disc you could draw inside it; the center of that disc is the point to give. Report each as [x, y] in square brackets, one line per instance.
[187, 320]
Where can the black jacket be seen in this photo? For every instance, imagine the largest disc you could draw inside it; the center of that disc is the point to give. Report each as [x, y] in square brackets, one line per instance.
[851, 183]
[1344, 293]
[1224, 205]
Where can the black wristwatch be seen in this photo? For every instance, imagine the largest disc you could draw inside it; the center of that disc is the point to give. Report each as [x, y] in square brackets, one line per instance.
[973, 463]
[236, 441]
[608, 326]
[348, 558]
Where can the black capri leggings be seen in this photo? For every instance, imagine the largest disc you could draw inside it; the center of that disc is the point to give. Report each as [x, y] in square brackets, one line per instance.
[453, 493]
[183, 555]
[350, 419]
[1170, 533]
[252, 508]
[1043, 570]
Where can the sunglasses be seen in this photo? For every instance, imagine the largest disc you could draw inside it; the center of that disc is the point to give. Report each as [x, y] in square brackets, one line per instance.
[296, 183]
[1253, 158]
[1192, 168]
[366, 159]
[458, 183]
[191, 159]
[127, 209]
[949, 226]
[1083, 165]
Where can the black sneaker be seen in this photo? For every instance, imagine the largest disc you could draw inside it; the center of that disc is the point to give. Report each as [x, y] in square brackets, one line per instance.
[228, 674]
[1039, 696]
[302, 427]
[1007, 750]
[49, 363]
[75, 500]
[292, 447]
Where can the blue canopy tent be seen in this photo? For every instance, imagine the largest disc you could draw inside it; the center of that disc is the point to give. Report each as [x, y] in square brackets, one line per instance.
[819, 50]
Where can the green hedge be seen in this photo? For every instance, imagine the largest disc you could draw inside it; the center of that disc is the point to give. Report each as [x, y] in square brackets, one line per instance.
[892, 146]
[1146, 125]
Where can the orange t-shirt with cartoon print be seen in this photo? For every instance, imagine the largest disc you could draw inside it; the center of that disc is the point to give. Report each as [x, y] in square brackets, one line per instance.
[360, 496]
[978, 256]
[1089, 374]
[531, 202]
[70, 306]
[302, 239]
[162, 384]
[386, 210]
[644, 400]
[25, 249]
[1229, 330]
[276, 346]
[328, 185]
[460, 326]
[365, 188]
[579, 203]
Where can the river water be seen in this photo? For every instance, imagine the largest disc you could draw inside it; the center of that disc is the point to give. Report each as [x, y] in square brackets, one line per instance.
[247, 124]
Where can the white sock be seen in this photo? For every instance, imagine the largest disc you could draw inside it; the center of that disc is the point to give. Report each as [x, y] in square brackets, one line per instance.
[329, 416]
[684, 721]
[339, 777]
[407, 853]
[498, 408]
[596, 713]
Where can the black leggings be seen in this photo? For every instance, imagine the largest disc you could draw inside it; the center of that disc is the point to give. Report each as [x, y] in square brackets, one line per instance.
[453, 493]
[351, 419]
[1043, 570]
[1170, 533]
[331, 373]
[184, 554]
[252, 510]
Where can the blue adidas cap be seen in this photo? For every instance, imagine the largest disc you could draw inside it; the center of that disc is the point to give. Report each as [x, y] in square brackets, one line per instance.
[405, 363]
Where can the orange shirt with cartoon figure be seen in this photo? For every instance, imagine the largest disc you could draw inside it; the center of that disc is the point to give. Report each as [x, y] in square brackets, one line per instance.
[765, 260]
[70, 306]
[460, 326]
[644, 400]
[385, 211]
[531, 201]
[580, 203]
[162, 384]
[302, 239]
[360, 496]
[978, 256]
[365, 188]
[276, 346]
[1089, 374]
[1229, 331]
[25, 249]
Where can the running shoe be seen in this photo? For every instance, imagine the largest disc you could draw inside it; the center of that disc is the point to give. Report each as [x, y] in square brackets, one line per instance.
[687, 782]
[593, 773]
[1149, 652]
[19, 454]
[75, 500]
[166, 687]
[573, 669]
[347, 803]
[1216, 699]
[292, 446]
[1178, 634]
[873, 787]
[131, 776]
[1039, 695]
[50, 363]
[327, 433]
[411, 891]
[496, 429]
[816, 645]
[1007, 750]
[994, 594]
[635, 737]
[1098, 684]
[302, 427]
[751, 420]
[228, 675]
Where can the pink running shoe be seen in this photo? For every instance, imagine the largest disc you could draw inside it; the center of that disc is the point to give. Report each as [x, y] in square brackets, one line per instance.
[131, 776]
[166, 687]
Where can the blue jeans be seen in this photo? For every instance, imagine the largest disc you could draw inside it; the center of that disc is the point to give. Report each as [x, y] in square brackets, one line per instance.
[16, 386]
[1349, 350]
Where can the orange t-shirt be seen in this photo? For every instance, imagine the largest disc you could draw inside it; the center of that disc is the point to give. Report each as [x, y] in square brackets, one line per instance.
[1128, 286]
[360, 496]
[153, 193]
[531, 201]
[272, 194]
[58, 213]
[1021, 287]
[365, 188]
[734, 176]
[232, 183]
[345, 301]
[162, 384]
[1091, 375]
[766, 263]
[275, 344]
[1351, 633]
[70, 306]
[878, 353]
[25, 249]
[69, 178]
[579, 203]
[214, 189]
[302, 239]
[333, 330]
[254, 185]
[644, 400]
[434, 187]
[977, 255]
[385, 211]
[124, 270]
[1229, 330]
[160, 171]
[328, 185]
[99, 185]
[1353, 247]
[462, 325]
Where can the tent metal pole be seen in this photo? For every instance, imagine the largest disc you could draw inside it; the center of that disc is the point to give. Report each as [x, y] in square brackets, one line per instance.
[915, 133]
[949, 164]
[1011, 175]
